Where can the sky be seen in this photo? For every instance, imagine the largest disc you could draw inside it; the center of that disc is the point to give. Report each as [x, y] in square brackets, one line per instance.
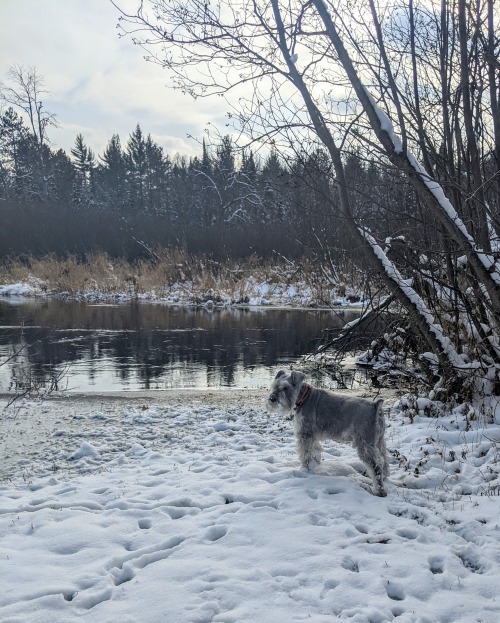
[99, 84]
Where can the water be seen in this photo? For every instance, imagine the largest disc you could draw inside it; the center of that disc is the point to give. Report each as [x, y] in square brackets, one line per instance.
[79, 347]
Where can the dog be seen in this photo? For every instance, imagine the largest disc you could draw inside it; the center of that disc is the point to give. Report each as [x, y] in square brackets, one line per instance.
[318, 414]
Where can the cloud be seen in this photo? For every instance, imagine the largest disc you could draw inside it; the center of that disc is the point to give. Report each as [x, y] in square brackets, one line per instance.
[100, 84]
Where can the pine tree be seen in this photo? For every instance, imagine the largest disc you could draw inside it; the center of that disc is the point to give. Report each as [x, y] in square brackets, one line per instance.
[156, 178]
[17, 156]
[62, 177]
[85, 163]
[272, 187]
[224, 179]
[112, 174]
[136, 166]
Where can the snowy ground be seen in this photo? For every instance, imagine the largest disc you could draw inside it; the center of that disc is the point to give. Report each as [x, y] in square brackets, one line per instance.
[191, 508]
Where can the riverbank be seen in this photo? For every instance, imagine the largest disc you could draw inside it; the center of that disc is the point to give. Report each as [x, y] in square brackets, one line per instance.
[179, 279]
[198, 498]
[30, 436]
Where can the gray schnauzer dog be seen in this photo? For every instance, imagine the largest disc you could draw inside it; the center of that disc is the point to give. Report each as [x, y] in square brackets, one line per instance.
[318, 414]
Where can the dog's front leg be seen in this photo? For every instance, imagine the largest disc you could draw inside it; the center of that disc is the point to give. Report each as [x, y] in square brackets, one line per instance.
[317, 449]
[308, 452]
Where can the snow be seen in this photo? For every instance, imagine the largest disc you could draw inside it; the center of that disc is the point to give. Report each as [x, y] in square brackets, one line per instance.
[385, 123]
[196, 511]
[19, 289]
[487, 260]
[252, 292]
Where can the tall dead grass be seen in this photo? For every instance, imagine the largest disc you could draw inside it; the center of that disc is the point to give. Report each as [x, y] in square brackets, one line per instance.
[200, 277]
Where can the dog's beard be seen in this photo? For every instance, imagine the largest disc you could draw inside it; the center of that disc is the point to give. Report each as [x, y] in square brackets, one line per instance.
[281, 406]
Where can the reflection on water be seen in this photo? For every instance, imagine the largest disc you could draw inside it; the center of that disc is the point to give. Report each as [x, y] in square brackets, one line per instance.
[80, 347]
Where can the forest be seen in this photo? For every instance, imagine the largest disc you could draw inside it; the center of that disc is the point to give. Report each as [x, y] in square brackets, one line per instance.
[133, 198]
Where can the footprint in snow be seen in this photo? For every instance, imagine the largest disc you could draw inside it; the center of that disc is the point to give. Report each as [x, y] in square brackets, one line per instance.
[328, 586]
[470, 560]
[176, 512]
[407, 533]
[99, 491]
[395, 591]
[317, 520]
[436, 564]
[215, 533]
[123, 575]
[151, 483]
[332, 490]
[350, 565]
[397, 611]
[91, 600]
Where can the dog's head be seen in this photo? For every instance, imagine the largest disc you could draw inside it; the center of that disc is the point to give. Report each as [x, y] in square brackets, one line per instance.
[284, 391]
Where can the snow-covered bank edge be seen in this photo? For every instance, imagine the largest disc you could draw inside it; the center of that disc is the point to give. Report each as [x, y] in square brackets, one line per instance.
[452, 439]
[251, 293]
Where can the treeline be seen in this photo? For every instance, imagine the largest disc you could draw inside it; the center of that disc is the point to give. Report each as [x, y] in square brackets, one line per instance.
[135, 197]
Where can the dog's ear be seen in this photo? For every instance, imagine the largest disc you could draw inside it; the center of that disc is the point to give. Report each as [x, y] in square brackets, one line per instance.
[280, 373]
[297, 378]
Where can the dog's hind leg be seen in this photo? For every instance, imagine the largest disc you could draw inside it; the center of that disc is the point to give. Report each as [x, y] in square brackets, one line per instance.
[380, 446]
[374, 462]
[383, 454]
[317, 449]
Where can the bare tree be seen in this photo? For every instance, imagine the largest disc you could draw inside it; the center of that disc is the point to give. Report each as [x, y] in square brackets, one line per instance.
[25, 94]
[24, 91]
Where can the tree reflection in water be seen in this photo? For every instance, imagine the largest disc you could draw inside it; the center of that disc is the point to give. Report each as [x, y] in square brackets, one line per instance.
[84, 347]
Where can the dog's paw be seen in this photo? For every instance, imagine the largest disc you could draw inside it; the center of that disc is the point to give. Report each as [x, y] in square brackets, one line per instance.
[312, 465]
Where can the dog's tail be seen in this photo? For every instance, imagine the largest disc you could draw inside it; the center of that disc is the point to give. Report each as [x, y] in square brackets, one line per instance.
[379, 435]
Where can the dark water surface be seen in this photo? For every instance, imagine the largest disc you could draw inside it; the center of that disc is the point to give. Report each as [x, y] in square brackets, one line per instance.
[93, 348]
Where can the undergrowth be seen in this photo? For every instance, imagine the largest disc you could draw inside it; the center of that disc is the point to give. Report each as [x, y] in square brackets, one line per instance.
[174, 272]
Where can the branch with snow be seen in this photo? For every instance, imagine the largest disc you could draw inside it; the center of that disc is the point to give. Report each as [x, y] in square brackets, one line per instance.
[405, 286]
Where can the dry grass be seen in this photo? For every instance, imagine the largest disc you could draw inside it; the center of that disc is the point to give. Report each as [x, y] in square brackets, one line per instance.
[200, 277]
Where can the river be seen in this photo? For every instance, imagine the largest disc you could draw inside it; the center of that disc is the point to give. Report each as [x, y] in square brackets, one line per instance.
[80, 347]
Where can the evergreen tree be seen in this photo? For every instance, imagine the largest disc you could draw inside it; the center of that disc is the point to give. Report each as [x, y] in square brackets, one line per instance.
[85, 163]
[136, 167]
[248, 166]
[16, 155]
[205, 196]
[156, 181]
[180, 191]
[113, 174]
[62, 180]
[272, 184]
[224, 180]
[252, 206]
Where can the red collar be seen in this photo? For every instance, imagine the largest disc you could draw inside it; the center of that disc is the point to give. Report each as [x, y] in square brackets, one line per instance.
[302, 396]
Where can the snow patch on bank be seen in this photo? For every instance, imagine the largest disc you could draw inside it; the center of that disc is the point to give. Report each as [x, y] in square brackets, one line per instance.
[251, 292]
[21, 289]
